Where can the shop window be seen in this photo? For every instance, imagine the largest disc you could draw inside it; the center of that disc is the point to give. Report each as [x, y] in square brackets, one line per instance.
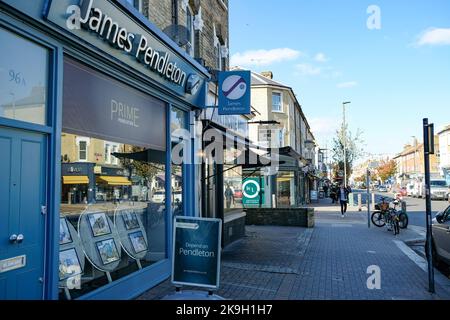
[113, 201]
[178, 122]
[232, 177]
[286, 189]
[277, 102]
[23, 79]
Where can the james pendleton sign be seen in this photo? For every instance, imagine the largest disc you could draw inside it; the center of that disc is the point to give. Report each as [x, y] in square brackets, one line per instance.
[107, 26]
[196, 252]
[234, 92]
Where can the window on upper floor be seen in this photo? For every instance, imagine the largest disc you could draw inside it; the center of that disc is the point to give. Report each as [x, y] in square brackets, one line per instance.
[190, 49]
[137, 4]
[277, 105]
[219, 61]
[83, 144]
[224, 4]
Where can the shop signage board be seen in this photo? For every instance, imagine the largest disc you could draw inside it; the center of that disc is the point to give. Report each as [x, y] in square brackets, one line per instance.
[108, 27]
[234, 93]
[196, 252]
[253, 191]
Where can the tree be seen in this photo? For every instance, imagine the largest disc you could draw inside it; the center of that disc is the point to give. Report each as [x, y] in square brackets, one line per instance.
[387, 169]
[353, 147]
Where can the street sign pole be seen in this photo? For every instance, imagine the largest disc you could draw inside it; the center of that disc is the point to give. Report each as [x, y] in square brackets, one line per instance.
[368, 197]
[428, 143]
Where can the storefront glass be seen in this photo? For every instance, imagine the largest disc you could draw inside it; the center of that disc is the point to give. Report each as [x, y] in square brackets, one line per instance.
[232, 189]
[178, 122]
[286, 189]
[113, 213]
[23, 79]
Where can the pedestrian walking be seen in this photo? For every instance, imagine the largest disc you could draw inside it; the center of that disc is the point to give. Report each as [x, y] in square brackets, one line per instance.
[343, 196]
[325, 190]
[333, 194]
[229, 196]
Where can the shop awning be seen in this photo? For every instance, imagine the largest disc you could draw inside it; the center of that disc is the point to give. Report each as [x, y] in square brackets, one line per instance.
[75, 180]
[114, 181]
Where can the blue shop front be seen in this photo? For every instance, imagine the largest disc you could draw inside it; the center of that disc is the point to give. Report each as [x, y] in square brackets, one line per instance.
[90, 95]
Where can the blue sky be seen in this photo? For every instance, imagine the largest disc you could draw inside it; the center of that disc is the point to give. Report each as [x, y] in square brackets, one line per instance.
[394, 76]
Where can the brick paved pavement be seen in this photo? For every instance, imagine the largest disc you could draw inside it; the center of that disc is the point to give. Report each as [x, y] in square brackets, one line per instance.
[327, 262]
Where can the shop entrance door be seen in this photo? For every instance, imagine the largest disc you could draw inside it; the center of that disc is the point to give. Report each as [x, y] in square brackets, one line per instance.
[22, 214]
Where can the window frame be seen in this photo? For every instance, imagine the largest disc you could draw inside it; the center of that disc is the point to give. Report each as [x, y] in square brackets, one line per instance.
[190, 17]
[280, 94]
[85, 140]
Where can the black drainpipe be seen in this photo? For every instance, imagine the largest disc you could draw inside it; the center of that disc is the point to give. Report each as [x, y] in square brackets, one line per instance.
[175, 12]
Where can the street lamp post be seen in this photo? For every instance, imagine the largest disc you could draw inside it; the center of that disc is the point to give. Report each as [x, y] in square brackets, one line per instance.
[344, 130]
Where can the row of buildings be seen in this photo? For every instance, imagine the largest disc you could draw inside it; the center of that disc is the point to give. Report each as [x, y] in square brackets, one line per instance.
[410, 162]
[91, 95]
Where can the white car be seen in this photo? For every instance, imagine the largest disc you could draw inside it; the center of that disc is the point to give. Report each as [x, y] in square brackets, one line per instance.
[410, 190]
[159, 197]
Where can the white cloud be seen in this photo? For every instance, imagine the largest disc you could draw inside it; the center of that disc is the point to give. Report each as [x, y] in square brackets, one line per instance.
[307, 69]
[264, 57]
[323, 126]
[346, 85]
[434, 36]
[321, 57]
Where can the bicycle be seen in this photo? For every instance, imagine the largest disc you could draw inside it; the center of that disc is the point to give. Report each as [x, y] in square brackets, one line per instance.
[389, 216]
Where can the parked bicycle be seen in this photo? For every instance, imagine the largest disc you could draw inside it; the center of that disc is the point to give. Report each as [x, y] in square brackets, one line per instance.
[387, 215]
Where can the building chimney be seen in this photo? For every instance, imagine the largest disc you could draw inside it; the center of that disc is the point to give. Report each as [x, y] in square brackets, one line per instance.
[267, 74]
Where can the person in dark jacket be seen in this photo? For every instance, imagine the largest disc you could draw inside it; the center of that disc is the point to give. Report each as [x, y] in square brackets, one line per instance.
[343, 197]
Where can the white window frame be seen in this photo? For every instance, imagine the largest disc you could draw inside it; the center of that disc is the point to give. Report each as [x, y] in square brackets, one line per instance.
[281, 101]
[139, 4]
[78, 142]
[111, 147]
[190, 46]
[222, 3]
[219, 58]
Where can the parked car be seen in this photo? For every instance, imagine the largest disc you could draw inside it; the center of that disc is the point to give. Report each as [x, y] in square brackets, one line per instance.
[438, 189]
[159, 197]
[441, 237]
[403, 192]
[410, 190]
[382, 189]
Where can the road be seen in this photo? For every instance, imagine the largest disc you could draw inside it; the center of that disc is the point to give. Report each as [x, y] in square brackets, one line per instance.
[415, 207]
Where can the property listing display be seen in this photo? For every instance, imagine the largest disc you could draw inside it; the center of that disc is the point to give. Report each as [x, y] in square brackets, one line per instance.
[196, 252]
[113, 182]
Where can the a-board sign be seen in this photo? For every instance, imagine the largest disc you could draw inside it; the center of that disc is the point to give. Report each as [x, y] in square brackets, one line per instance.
[196, 252]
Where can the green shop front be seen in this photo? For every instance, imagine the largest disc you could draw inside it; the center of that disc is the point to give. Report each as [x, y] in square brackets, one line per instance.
[90, 96]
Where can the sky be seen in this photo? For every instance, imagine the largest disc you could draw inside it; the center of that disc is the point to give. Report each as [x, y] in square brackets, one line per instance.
[395, 70]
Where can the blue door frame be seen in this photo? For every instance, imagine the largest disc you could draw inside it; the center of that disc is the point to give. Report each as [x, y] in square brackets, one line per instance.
[128, 287]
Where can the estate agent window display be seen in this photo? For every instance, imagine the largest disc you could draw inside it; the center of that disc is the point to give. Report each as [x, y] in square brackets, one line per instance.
[122, 229]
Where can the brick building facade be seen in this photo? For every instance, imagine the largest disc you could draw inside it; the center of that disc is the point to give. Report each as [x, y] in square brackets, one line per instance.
[206, 22]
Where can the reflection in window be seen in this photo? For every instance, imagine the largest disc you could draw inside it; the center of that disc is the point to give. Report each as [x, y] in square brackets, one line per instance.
[232, 183]
[23, 79]
[286, 189]
[178, 121]
[113, 196]
[134, 183]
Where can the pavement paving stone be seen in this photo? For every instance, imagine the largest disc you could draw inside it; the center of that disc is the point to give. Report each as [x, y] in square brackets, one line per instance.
[328, 262]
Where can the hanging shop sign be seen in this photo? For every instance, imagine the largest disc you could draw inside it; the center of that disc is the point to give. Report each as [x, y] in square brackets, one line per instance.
[105, 25]
[253, 192]
[234, 93]
[196, 252]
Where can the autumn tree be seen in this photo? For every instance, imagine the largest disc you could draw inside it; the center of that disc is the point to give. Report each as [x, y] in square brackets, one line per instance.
[387, 169]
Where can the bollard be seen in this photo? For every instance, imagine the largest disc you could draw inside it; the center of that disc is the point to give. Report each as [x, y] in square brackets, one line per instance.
[360, 202]
[352, 200]
[373, 201]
